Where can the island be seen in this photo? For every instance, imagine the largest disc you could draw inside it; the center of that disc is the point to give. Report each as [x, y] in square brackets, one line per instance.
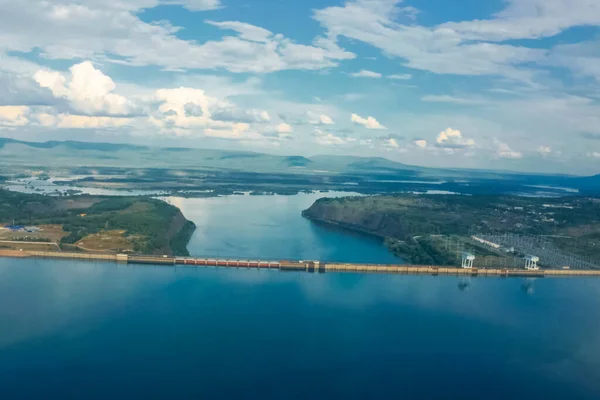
[500, 230]
[83, 223]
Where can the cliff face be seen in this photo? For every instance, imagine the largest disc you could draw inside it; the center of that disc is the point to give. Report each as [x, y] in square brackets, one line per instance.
[178, 235]
[353, 218]
[386, 217]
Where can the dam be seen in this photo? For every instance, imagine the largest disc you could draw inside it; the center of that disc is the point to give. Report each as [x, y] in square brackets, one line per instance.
[299, 265]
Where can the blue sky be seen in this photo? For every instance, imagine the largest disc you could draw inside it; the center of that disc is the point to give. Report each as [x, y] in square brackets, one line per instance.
[501, 84]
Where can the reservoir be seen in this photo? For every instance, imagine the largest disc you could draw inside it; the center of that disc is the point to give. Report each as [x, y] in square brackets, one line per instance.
[97, 331]
[72, 329]
[272, 228]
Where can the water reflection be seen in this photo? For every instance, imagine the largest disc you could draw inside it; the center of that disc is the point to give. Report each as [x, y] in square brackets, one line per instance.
[197, 320]
[464, 284]
[528, 285]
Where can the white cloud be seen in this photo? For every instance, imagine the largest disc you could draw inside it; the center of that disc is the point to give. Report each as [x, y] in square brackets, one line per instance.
[284, 128]
[391, 142]
[246, 31]
[366, 74]
[400, 77]
[595, 154]
[581, 58]
[112, 31]
[238, 131]
[369, 122]
[452, 100]
[13, 116]
[453, 139]
[504, 151]
[18, 89]
[544, 150]
[172, 108]
[440, 49]
[329, 139]
[81, 121]
[232, 113]
[88, 90]
[530, 19]
[421, 143]
[195, 5]
[322, 119]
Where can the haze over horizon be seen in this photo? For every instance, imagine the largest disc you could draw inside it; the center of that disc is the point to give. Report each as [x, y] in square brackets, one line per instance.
[500, 84]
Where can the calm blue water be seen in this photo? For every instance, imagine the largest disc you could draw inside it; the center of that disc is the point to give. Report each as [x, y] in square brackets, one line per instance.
[96, 331]
[272, 227]
[79, 330]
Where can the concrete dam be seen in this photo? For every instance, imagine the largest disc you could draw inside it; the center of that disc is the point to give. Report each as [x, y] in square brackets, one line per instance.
[299, 265]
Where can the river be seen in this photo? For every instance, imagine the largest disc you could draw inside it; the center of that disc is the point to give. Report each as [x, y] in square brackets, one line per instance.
[272, 228]
[71, 329]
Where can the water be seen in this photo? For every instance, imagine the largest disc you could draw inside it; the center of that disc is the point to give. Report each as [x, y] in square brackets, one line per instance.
[97, 331]
[71, 329]
[272, 227]
[51, 188]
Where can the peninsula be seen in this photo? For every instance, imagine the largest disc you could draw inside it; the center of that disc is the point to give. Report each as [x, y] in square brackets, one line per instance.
[85, 223]
[500, 230]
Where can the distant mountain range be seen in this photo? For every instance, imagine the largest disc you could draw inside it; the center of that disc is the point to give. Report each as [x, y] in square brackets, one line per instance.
[71, 154]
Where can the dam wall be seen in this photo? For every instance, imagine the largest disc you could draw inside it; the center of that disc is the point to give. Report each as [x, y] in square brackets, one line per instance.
[308, 266]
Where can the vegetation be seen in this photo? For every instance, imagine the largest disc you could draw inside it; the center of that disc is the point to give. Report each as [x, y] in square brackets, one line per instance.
[409, 222]
[153, 226]
[421, 251]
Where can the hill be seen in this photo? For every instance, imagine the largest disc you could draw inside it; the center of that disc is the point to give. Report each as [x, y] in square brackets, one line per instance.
[400, 219]
[91, 223]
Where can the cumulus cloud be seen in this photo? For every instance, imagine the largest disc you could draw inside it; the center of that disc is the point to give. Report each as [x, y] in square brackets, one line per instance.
[88, 90]
[503, 150]
[421, 143]
[13, 116]
[321, 119]
[174, 106]
[391, 142]
[544, 150]
[187, 111]
[69, 121]
[369, 122]
[191, 110]
[21, 90]
[328, 139]
[595, 154]
[366, 74]
[238, 131]
[284, 128]
[453, 139]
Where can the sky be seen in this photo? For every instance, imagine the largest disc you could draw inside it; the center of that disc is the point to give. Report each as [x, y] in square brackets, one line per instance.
[493, 84]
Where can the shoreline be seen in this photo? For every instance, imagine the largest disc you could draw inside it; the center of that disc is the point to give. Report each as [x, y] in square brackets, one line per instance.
[300, 266]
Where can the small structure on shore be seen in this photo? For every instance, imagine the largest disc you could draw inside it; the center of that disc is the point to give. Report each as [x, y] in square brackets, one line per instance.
[531, 262]
[467, 260]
